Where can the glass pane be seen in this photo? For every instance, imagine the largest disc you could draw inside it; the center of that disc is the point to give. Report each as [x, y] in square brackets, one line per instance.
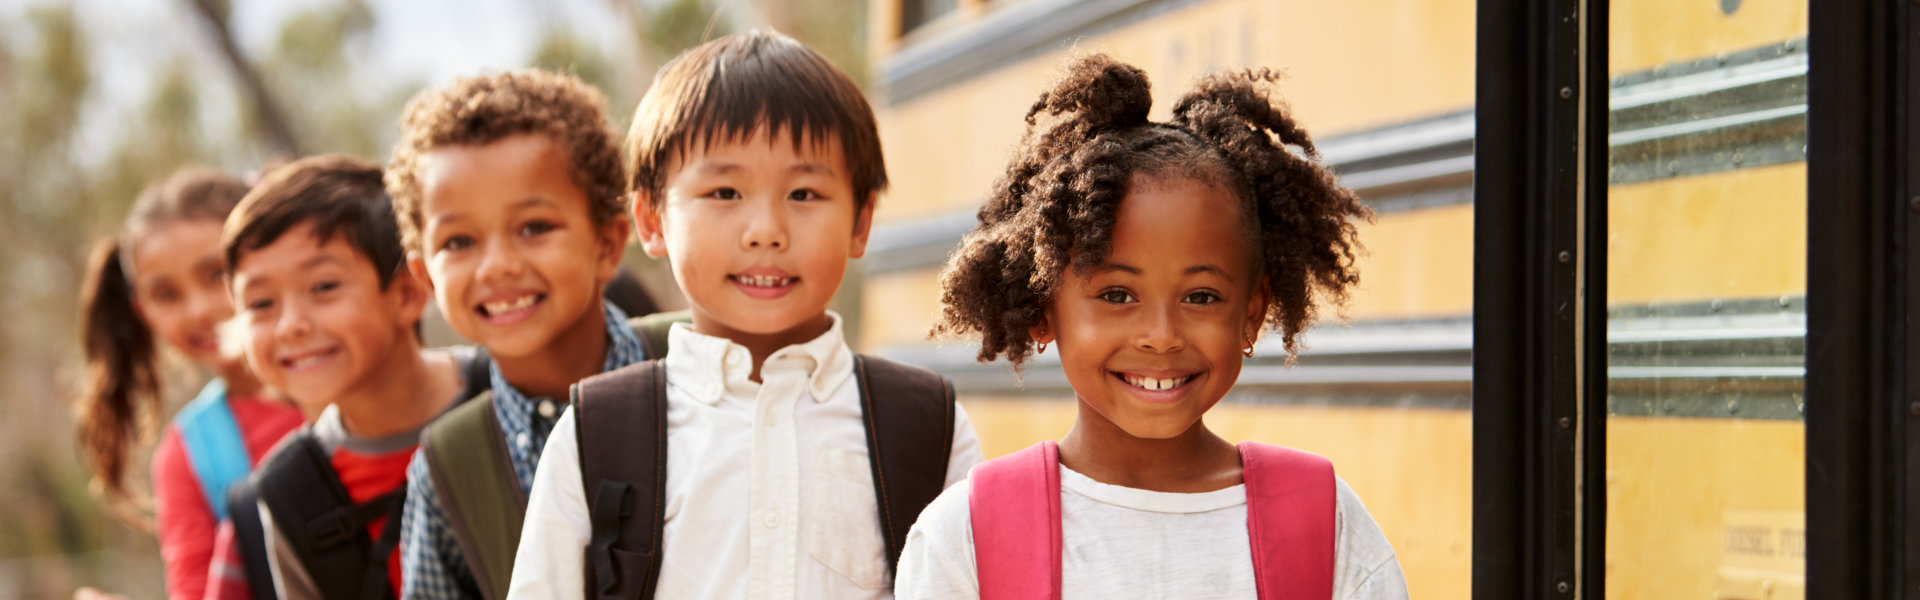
[1706, 319]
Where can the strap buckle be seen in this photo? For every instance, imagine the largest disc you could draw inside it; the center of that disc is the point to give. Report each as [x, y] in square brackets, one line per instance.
[612, 504]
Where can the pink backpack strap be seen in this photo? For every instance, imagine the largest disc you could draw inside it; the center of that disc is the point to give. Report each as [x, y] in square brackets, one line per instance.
[1015, 506]
[1290, 521]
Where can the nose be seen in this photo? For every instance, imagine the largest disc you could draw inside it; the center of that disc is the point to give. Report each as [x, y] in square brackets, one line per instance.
[1160, 332]
[208, 307]
[294, 322]
[501, 262]
[767, 228]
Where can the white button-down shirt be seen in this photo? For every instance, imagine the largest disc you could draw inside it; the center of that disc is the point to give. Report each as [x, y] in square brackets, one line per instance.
[769, 494]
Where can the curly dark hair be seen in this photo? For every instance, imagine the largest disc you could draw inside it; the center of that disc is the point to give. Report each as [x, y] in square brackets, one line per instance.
[1086, 139]
[484, 109]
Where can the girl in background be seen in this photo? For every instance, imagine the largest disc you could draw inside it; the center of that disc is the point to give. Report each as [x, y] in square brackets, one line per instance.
[161, 279]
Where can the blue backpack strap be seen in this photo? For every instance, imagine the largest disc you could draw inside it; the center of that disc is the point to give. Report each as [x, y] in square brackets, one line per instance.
[215, 448]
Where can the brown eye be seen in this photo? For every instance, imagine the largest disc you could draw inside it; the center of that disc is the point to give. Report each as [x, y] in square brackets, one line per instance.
[1203, 297]
[534, 228]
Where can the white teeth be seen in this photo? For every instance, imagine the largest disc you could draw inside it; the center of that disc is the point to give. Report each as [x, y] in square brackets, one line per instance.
[761, 280]
[508, 306]
[305, 362]
[1155, 384]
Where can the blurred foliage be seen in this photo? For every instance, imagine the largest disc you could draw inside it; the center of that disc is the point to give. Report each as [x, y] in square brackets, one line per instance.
[307, 70]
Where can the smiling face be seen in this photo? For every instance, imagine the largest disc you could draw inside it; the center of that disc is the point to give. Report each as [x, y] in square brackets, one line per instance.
[759, 233]
[180, 288]
[514, 258]
[317, 322]
[1152, 339]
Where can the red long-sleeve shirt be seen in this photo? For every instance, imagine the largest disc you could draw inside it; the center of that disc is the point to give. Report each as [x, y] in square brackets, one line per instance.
[182, 514]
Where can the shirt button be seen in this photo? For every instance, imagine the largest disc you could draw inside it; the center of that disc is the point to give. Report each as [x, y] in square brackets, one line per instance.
[522, 440]
[547, 409]
[770, 519]
[771, 420]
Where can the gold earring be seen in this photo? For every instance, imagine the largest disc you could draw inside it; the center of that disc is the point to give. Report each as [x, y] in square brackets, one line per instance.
[1249, 350]
[1043, 348]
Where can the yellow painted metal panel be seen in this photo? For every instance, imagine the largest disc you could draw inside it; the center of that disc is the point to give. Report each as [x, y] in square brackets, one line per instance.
[1734, 234]
[1705, 508]
[1350, 66]
[897, 309]
[1418, 263]
[1647, 33]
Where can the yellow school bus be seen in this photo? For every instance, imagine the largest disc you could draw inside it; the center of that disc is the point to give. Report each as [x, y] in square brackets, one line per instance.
[1706, 255]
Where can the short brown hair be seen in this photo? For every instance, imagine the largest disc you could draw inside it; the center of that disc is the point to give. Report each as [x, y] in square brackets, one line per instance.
[482, 110]
[339, 195]
[733, 86]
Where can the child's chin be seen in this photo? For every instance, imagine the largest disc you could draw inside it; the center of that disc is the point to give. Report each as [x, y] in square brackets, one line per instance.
[770, 322]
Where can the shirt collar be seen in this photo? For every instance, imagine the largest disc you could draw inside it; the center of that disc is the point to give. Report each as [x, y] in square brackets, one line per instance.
[709, 366]
[623, 348]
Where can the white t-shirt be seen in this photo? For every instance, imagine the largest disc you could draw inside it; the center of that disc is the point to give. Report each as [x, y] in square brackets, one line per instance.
[1129, 543]
[769, 493]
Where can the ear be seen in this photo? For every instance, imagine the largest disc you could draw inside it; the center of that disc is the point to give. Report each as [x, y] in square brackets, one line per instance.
[1257, 310]
[1042, 332]
[417, 267]
[862, 226]
[613, 245]
[646, 224]
[410, 293]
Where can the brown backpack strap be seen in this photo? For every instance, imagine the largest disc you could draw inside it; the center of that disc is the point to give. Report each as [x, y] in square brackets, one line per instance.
[653, 330]
[623, 473]
[473, 476]
[909, 418]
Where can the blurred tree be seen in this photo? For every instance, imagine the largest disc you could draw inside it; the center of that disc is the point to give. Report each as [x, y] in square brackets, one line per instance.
[564, 51]
[279, 134]
[831, 27]
[338, 108]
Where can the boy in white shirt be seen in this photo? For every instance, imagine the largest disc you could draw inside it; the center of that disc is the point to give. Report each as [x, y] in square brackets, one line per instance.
[755, 163]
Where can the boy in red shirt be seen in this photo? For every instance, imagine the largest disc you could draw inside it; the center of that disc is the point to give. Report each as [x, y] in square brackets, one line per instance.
[330, 317]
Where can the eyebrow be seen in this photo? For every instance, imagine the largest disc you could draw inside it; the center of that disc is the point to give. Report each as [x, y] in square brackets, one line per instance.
[444, 218]
[1133, 270]
[728, 168]
[304, 265]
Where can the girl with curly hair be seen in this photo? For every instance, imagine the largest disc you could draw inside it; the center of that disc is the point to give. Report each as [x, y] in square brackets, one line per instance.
[1150, 256]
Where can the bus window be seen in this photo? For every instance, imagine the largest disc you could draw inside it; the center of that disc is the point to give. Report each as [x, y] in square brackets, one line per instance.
[1706, 312]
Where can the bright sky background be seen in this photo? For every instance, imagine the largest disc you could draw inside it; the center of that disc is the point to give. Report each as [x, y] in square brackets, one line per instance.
[430, 41]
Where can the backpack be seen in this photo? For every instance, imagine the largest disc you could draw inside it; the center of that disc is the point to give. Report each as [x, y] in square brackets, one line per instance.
[319, 519]
[474, 479]
[216, 449]
[1015, 511]
[909, 438]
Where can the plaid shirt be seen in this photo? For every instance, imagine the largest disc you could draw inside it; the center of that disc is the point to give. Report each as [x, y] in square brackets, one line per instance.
[431, 561]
